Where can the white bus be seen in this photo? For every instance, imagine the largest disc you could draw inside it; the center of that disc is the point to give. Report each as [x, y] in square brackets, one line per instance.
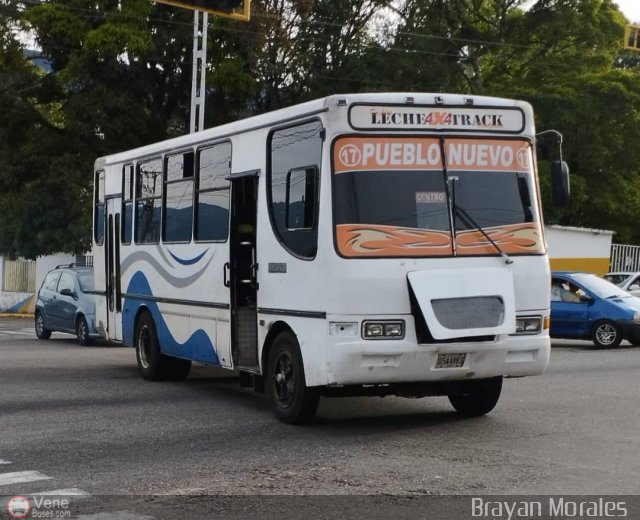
[363, 244]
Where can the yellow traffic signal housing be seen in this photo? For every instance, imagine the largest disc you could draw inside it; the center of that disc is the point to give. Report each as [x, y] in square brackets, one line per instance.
[226, 8]
[632, 37]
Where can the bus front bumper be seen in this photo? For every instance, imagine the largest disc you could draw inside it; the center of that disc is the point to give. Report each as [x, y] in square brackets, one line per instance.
[401, 361]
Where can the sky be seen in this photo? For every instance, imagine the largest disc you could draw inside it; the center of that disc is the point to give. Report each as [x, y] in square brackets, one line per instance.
[630, 8]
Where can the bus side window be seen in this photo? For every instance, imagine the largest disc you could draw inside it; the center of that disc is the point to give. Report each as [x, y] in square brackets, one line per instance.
[293, 175]
[178, 198]
[127, 203]
[99, 208]
[212, 193]
[301, 196]
[148, 201]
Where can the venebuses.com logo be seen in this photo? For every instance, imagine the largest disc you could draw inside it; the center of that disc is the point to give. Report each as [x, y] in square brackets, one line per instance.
[18, 507]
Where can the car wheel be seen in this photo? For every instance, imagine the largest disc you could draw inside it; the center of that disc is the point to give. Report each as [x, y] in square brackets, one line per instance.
[82, 331]
[42, 332]
[293, 401]
[475, 398]
[153, 364]
[606, 334]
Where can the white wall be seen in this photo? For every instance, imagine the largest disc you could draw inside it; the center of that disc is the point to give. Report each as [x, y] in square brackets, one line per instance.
[579, 249]
[26, 301]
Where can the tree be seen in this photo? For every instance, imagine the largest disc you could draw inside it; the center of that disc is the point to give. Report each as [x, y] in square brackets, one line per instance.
[120, 77]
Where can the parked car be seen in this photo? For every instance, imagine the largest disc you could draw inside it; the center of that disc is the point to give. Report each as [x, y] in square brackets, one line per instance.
[627, 280]
[585, 306]
[65, 303]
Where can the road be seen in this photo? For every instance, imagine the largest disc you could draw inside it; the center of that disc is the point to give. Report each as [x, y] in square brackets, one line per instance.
[81, 419]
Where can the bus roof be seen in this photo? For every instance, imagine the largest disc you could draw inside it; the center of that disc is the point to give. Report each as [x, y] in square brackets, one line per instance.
[303, 110]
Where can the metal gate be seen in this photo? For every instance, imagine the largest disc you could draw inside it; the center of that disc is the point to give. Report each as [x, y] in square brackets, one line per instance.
[624, 258]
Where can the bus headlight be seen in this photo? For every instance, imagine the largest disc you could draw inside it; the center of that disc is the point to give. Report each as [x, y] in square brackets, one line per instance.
[383, 329]
[529, 325]
[636, 316]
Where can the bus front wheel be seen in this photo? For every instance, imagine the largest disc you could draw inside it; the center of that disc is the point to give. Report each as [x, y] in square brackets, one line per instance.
[475, 398]
[152, 363]
[293, 401]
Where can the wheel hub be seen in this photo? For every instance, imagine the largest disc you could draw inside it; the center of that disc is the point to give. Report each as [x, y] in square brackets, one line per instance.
[284, 380]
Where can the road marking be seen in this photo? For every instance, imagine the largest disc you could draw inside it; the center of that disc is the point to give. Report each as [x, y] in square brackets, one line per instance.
[4, 461]
[20, 477]
[69, 492]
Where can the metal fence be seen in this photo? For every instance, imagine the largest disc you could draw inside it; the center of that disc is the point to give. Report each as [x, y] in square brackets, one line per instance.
[624, 258]
[19, 276]
[84, 260]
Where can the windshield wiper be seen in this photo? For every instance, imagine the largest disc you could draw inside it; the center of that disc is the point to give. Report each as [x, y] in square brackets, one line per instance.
[466, 219]
[469, 221]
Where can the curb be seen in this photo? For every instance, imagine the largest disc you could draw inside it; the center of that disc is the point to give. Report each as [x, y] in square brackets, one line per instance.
[15, 315]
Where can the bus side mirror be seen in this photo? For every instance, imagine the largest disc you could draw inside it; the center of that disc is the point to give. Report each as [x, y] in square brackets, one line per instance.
[560, 187]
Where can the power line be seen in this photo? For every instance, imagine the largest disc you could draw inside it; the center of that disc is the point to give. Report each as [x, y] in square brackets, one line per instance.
[268, 16]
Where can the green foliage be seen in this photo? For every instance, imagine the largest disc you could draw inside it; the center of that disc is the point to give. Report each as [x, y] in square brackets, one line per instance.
[121, 77]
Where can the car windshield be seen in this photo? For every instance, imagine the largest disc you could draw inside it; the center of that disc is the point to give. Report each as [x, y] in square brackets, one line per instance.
[85, 279]
[600, 287]
[392, 197]
[616, 278]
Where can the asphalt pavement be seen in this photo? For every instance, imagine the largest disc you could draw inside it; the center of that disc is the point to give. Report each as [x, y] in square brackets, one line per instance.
[81, 420]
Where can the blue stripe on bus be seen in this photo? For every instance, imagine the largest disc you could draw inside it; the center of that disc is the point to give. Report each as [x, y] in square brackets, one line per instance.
[198, 347]
[187, 262]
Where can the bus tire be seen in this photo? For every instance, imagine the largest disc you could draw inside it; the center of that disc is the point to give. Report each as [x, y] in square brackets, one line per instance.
[475, 398]
[42, 332]
[293, 401]
[148, 353]
[153, 364]
[176, 369]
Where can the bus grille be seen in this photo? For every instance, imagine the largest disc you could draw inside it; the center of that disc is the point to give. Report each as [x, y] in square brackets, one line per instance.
[423, 334]
[478, 312]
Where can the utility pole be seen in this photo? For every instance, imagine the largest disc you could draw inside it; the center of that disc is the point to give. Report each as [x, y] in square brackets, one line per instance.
[200, 23]
[201, 10]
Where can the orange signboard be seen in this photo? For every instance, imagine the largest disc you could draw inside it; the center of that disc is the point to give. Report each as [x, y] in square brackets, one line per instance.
[425, 153]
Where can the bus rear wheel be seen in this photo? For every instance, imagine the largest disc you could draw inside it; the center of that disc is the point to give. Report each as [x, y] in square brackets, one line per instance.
[293, 401]
[152, 363]
[475, 398]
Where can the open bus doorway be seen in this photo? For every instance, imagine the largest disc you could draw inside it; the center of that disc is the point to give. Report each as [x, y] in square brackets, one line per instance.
[242, 271]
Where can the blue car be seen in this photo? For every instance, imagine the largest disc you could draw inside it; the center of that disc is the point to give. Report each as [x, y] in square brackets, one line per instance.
[585, 306]
[65, 303]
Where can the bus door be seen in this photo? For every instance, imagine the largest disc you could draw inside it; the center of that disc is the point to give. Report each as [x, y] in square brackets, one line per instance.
[112, 269]
[241, 272]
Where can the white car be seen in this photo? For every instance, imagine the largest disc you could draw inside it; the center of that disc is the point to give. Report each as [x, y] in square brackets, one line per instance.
[627, 280]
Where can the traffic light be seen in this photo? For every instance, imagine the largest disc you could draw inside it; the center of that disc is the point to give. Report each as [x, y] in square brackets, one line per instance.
[226, 8]
[632, 37]
[216, 5]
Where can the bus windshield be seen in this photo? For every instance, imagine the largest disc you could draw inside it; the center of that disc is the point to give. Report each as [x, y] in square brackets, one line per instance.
[395, 197]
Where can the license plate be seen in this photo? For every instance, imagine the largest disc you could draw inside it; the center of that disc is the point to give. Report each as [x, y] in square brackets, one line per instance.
[450, 360]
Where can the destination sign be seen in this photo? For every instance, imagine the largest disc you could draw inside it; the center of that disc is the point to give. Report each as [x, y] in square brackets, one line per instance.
[385, 117]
